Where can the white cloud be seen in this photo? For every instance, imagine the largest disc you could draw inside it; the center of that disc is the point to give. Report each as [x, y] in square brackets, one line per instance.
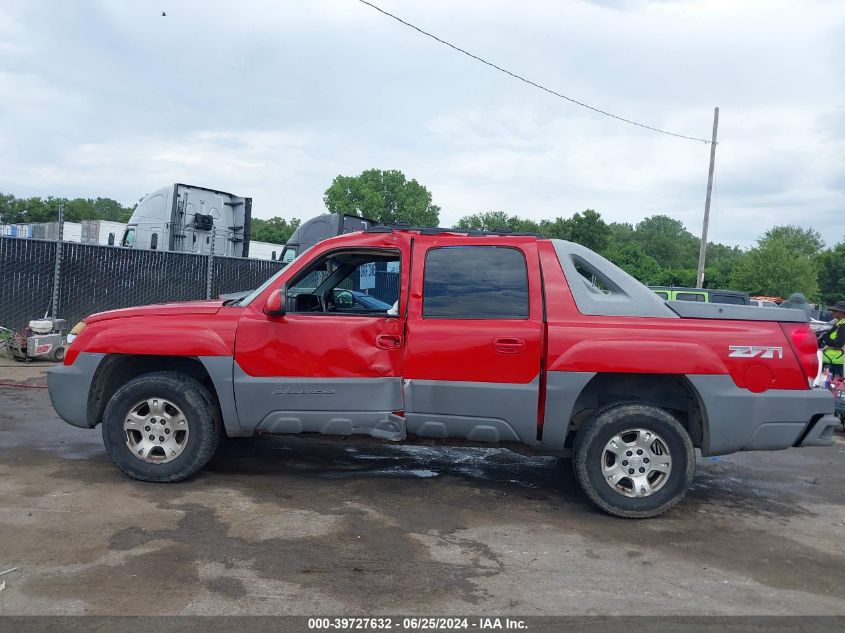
[274, 99]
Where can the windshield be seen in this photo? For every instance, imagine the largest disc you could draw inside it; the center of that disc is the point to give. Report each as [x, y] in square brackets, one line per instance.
[252, 295]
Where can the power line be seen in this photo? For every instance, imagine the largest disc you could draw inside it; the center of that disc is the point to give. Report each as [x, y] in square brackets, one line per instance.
[528, 81]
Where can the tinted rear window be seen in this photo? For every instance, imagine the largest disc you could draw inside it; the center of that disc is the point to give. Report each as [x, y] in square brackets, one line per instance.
[475, 282]
[689, 296]
[736, 300]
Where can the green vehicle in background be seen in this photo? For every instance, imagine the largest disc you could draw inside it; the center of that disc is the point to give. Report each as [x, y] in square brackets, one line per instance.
[702, 295]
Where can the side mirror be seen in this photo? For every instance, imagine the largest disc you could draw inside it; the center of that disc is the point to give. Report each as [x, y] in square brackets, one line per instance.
[275, 305]
[343, 299]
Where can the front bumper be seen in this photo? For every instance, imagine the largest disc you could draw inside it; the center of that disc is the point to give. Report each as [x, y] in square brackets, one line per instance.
[69, 386]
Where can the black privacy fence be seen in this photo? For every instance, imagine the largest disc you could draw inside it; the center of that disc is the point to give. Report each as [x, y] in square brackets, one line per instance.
[95, 278]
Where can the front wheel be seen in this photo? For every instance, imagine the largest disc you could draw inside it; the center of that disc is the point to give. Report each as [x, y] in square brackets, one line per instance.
[161, 427]
[634, 460]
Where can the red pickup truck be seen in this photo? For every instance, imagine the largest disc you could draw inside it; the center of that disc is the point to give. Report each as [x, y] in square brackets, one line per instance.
[472, 338]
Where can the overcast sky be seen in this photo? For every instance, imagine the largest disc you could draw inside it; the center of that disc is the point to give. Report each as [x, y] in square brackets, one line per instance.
[274, 98]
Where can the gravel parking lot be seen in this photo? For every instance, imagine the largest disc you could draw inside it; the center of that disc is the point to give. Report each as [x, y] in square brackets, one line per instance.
[283, 526]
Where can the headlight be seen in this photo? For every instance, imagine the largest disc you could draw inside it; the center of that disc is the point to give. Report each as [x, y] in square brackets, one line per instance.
[75, 331]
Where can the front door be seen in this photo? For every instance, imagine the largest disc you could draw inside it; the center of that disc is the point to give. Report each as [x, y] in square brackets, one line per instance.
[332, 363]
[474, 341]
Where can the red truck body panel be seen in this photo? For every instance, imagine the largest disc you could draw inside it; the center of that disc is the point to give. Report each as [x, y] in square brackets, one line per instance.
[166, 330]
[579, 342]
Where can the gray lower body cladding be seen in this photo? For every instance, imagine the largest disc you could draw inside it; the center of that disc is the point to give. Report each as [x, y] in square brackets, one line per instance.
[735, 419]
[219, 369]
[738, 420]
[475, 411]
[333, 406]
[69, 387]
[562, 391]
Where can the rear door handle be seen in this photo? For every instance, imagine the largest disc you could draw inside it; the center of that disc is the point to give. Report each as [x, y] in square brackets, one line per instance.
[389, 341]
[509, 345]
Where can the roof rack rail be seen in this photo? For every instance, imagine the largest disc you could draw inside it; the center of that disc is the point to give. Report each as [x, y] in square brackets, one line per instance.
[437, 230]
[379, 228]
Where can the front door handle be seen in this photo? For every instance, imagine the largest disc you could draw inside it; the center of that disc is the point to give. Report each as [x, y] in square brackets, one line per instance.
[389, 341]
[509, 345]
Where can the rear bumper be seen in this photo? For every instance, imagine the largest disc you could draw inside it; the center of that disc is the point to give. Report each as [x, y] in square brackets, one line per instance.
[820, 432]
[738, 420]
[69, 386]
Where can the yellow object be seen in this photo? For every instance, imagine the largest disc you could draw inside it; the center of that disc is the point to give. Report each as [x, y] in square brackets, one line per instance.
[75, 331]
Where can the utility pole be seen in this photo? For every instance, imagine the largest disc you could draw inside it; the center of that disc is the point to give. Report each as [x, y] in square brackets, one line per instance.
[57, 268]
[702, 253]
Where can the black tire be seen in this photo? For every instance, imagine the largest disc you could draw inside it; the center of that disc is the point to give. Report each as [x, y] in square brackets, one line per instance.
[613, 420]
[59, 354]
[201, 414]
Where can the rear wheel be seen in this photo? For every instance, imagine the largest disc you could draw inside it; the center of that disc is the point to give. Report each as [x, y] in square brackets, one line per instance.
[161, 427]
[634, 460]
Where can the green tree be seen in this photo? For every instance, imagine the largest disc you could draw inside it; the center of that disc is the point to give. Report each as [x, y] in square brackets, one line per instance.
[35, 209]
[721, 262]
[558, 228]
[667, 240]
[387, 196]
[774, 269]
[585, 228]
[589, 229]
[632, 259]
[492, 220]
[275, 230]
[112, 210]
[804, 241]
[830, 265]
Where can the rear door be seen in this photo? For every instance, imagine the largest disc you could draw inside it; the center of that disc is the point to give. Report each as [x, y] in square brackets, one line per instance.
[474, 340]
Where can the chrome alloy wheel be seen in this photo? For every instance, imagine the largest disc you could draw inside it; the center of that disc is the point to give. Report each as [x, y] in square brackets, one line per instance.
[636, 462]
[156, 430]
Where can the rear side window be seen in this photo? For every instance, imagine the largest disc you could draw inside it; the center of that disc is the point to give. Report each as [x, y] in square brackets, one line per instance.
[475, 282]
[689, 296]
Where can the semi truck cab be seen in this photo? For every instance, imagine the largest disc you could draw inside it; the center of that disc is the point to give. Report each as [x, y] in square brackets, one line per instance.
[189, 219]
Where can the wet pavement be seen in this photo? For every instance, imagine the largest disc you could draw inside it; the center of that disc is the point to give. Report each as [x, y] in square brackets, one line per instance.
[285, 526]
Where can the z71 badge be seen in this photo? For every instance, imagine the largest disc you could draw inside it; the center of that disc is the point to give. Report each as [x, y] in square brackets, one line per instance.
[755, 351]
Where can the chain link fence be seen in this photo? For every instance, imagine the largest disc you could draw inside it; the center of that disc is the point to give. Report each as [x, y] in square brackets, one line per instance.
[236, 274]
[26, 280]
[97, 278]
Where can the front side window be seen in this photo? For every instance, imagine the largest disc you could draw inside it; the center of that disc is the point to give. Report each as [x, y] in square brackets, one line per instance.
[475, 282]
[348, 282]
[288, 255]
[662, 294]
